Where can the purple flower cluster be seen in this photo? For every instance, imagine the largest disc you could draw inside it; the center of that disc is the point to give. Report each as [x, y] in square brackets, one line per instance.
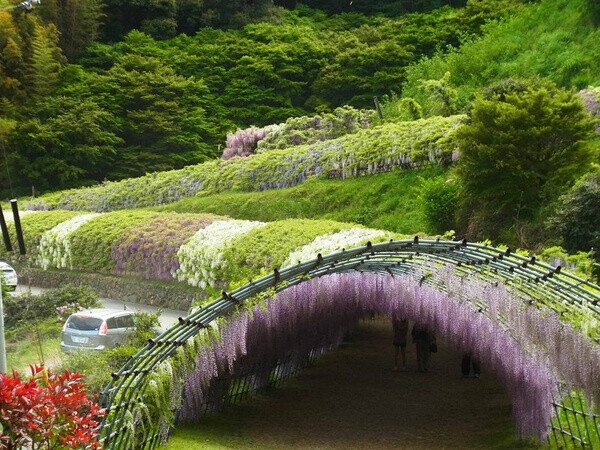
[244, 142]
[591, 99]
[150, 250]
[531, 350]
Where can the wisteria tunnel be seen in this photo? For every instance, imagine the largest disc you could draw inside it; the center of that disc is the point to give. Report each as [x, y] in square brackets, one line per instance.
[512, 312]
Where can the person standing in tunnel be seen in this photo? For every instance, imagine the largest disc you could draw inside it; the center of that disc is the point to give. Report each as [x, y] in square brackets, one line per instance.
[422, 339]
[400, 326]
[466, 362]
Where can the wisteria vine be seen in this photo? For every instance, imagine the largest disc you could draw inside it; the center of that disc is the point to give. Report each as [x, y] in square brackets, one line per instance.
[530, 348]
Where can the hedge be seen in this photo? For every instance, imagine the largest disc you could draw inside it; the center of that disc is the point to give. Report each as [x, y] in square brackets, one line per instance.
[150, 250]
[171, 295]
[92, 243]
[373, 150]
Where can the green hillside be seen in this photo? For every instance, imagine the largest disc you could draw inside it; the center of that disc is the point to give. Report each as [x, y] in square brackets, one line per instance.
[555, 39]
[388, 201]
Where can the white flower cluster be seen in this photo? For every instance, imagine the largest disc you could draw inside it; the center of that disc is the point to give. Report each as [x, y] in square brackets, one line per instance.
[201, 258]
[329, 243]
[55, 244]
[9, 218]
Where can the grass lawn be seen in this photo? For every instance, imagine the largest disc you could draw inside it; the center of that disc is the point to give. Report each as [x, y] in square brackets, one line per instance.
[21, 350]
[387, 201]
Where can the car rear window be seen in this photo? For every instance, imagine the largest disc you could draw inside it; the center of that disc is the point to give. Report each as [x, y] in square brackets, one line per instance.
[84, 323]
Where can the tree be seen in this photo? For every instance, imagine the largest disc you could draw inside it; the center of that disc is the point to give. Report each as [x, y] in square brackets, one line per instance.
[78, 22]
[46, 61]
[163, 117]
[62, 143]
[578, 214]
[519, 148]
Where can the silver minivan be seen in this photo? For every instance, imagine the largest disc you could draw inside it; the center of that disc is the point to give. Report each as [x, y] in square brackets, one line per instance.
[97, 329]
[9, 274]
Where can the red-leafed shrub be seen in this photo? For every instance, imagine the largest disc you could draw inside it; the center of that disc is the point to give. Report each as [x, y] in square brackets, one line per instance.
[47, 411]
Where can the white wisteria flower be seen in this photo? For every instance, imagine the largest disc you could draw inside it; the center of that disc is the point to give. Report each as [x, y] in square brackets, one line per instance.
[9, 218]
[201, 258]
[329, 243]
[55, 244]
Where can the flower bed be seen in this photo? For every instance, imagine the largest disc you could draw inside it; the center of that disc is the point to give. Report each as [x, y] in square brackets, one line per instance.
[335, 242]
[55, 244]
[92, 243]
[201, 258]
[150, 250]
[268, 247]
[369, 151]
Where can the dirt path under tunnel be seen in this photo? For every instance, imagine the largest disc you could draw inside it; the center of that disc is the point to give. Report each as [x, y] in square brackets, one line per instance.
[353, 400]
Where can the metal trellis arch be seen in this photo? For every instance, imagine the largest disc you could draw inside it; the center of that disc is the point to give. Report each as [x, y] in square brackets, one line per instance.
[556, 288]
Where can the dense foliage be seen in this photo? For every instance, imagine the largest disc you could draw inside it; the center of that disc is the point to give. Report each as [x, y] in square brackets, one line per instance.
[47, 411]
[369, 151]
[578, 215]
[141, 105]
[521, 145]
[555, 39]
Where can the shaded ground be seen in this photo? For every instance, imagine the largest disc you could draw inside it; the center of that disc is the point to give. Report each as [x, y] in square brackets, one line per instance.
[353, 400]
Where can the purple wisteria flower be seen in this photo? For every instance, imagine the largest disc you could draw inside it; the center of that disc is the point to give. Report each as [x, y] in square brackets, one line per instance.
[150, 250]
[530, 349]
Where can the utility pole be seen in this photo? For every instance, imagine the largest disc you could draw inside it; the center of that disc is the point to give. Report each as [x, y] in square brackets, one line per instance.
[3, 368]
[8, 246]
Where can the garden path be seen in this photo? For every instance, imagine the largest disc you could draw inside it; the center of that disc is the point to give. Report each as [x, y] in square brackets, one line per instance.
[353, 400]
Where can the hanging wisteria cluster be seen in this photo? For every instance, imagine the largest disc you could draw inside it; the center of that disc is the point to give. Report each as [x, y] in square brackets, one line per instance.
[591, 99]
[329, 243]
[554, 343]
[244, 142]
[150, 249]
[55, 245]
[370, 150]
[201, 258]
[530, 349]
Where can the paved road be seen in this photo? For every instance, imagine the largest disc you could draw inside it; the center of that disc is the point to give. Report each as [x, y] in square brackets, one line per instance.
[167, 317]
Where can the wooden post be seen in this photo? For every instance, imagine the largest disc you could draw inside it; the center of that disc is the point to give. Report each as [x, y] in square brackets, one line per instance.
[378, 108]
[5, 234]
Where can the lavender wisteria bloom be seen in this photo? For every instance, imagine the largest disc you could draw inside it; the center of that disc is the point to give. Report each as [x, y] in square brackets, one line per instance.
[530, 349]
[591, 99]
[150, 250]
[244, 142]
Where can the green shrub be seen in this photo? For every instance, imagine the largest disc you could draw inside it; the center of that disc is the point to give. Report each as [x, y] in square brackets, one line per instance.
[518, 150]
[146, 327]
[22, 310]
[92, 243]
[267, 247]
[577, 216]
[93, 365]
[440, 202]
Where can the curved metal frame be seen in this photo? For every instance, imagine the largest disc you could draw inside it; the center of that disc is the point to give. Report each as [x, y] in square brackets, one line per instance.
[550, 285]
